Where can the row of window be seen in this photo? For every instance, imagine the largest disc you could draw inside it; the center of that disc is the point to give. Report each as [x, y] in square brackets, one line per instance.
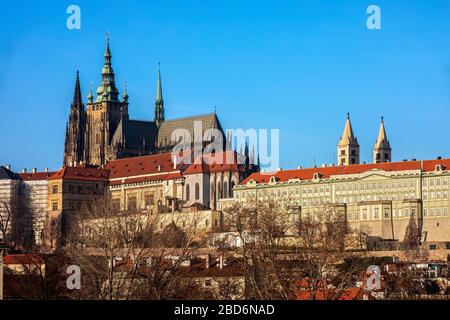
[437, 182]
[435, 213]
[76, 188]
[435, 195]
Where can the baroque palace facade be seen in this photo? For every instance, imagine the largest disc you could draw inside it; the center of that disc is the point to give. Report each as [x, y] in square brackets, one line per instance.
[379, 198]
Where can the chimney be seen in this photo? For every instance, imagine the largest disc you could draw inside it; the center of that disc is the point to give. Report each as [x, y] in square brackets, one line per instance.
[279, 169]
[331, 164]
[439, 158]
[299, 168]
[174, 162]
[34, 170]
[208, 261]
[324, 165]
[46, 170]
[8, 167]
[24, 170]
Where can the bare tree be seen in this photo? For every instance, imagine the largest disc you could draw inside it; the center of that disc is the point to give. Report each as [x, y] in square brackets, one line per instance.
[286, 250]
[6, 214]
[130, 254]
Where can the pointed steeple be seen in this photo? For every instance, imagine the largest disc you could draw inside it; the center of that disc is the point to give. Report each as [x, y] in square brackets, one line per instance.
[348, 136]
[75, 128]
[77, 100]
[382, 140]
[348, 147]
[382, 151]
[125, 94]
[90, 97]
[107, 90]
[159, 101]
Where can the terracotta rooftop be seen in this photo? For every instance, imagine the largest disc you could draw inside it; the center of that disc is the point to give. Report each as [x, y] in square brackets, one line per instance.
[154, 164]
[83, 172]
[29, 176]
[23, 259]
[327, 172]
[161, 167]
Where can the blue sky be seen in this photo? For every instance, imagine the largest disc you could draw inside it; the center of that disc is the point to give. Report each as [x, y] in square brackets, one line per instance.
[299, 66]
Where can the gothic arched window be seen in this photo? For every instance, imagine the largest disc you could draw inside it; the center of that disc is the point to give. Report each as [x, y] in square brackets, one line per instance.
[225, 189]
[232, 189]
[187, 193]
[219, 190]
[197, 191]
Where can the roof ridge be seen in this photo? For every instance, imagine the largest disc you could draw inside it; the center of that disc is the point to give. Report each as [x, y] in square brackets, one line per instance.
[191, 117]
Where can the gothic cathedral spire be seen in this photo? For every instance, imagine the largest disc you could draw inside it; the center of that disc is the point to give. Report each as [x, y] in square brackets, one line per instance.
[108, 90]
[159, 102]
[74, 143]
[348, 147]
[382, 151]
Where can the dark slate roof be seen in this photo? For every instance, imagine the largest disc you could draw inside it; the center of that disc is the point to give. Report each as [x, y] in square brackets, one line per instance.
[6, 174]
[209, 121]
[134, 132]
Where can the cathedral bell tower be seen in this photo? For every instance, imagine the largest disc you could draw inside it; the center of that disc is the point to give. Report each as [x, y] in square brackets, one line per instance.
[104, 114]
[382, 151]
[74, 143]
[348, 147]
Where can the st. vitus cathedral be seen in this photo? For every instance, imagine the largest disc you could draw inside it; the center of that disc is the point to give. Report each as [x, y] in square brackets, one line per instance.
[104, 131]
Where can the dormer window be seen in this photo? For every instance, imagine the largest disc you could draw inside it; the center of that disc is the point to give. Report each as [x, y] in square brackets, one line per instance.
[317, 176]
[439, 168]
[273, 179]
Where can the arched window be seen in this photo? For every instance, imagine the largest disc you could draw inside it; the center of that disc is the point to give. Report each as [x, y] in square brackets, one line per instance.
[232, 189]
[225, 189]
[219, 190]
[187, 193]
[197, 191]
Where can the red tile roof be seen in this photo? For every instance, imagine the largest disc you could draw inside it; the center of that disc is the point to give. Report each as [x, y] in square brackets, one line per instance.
[217, 162]
[331, 294]
[35, 176]
[139, 166]
[83, 172]
[327, 172]
[161, 167]
[23, 259]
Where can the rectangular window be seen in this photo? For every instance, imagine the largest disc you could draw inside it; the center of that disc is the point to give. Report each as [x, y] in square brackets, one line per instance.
[55, 188]
[149, 199]
[364, 214]
[376, 213]
[132, 203]
[445, 212]
[55, 206]
[386, 213]
[425, 212]
[116, 204]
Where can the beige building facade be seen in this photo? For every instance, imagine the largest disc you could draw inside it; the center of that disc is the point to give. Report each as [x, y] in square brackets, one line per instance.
[379, 198]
